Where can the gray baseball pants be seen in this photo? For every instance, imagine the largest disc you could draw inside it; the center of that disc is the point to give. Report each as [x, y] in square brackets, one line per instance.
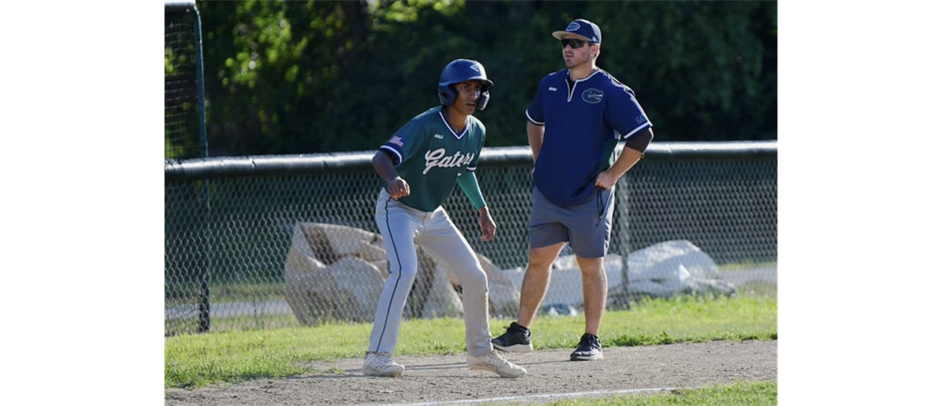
[402, 227]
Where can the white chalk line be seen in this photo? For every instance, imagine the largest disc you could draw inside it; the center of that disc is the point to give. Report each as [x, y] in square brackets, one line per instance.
[536, 397]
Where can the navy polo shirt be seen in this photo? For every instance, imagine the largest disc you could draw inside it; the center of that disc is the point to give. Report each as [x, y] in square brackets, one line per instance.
[583, 123]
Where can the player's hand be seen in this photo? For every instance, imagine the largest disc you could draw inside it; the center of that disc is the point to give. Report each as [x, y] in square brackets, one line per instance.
[488, 227]
[397, 188]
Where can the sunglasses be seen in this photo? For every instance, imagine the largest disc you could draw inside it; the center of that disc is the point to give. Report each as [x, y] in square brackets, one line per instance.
[572, 42]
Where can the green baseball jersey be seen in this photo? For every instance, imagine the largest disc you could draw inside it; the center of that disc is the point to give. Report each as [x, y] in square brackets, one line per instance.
[430, 155]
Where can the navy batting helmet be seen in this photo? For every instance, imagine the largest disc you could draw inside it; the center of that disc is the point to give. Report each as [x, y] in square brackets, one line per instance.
[461, 70]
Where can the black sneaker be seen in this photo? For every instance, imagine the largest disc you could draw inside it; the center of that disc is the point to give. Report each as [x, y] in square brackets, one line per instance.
[515, 339]
[589, 349]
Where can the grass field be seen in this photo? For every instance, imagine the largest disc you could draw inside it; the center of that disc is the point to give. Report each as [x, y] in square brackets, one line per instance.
[197, 360]
[247, 348]
[737, 394]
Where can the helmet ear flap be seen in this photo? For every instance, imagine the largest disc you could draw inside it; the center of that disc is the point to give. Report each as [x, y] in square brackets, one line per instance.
[482, 100]
[446, 94]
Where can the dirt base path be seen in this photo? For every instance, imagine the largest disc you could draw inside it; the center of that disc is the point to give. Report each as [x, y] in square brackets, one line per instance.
[551, 376]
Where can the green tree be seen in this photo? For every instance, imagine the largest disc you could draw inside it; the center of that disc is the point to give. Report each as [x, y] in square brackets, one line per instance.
[703, 70]
[321, 76]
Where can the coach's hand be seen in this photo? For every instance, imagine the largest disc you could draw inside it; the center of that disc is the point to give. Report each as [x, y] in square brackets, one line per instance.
[398, 187]
[606, 180]
[488, 227]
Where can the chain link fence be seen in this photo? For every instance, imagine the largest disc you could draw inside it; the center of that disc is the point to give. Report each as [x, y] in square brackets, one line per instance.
[280, 241]
[184, 114]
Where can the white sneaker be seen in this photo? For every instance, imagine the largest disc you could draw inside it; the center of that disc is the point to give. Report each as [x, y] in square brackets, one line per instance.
[493, 362]
[380, 364]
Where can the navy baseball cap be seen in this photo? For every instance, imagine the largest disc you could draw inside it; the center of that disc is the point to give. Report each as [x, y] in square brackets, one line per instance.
[583, 28]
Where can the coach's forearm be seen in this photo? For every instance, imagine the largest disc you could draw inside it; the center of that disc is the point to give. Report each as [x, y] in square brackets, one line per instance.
[627, 159]
[535, 136]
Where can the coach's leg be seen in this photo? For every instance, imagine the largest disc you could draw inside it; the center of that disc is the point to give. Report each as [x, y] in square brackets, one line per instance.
[589, 242]
[594, 292]
[536, 281]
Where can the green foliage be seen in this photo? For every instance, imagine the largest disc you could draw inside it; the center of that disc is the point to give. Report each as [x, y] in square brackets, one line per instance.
[705, 69]
[285, 77]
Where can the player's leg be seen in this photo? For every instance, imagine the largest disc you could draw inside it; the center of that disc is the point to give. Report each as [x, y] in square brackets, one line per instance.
[448, 247]
[397, 224]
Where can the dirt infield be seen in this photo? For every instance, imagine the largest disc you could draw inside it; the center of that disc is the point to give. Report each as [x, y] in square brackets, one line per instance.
[446, 379]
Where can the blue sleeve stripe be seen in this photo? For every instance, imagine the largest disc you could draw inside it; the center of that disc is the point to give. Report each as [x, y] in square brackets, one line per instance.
[395, 153]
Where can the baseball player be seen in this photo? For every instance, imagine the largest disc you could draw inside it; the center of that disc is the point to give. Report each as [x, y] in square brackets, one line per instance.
[421, 164]
[575, 120]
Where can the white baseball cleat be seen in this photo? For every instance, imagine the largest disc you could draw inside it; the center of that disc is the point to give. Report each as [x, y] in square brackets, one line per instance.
[493, 362]
[380, 364]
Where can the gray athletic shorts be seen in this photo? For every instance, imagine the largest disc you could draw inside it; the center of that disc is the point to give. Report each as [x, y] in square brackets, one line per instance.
[586, 226]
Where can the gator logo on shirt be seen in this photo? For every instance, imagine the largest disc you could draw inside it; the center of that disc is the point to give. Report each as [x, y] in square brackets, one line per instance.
[592, 96]
[438, 159]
